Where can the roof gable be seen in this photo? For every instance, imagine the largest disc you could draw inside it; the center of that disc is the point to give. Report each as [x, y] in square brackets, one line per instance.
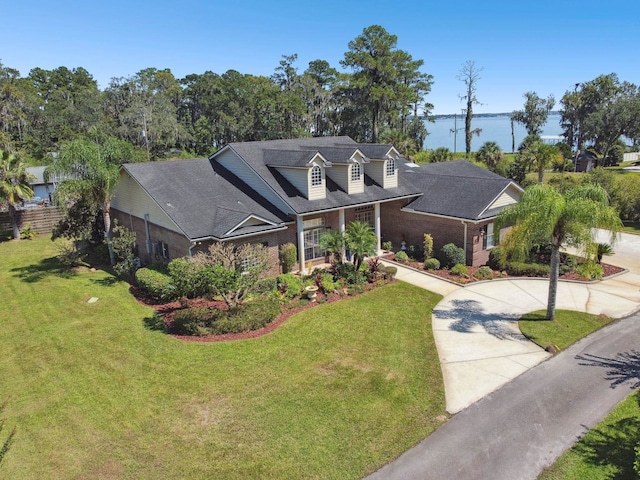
[459, 189]
[203, 198]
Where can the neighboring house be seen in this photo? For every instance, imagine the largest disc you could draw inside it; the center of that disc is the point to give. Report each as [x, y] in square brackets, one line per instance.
[42, 190]
[281, 191]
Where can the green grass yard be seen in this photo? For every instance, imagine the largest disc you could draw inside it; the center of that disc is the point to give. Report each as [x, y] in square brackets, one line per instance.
[606, 452]
[567, 328]
[335, 392]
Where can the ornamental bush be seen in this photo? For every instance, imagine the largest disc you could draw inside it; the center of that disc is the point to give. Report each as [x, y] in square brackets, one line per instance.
[155, 282]
[484, 273]
[289, 284]
[451, 255]
[401, 257]
[288, 257]
[431, 264]
[196, 321]
[460, 269]
[248, 317]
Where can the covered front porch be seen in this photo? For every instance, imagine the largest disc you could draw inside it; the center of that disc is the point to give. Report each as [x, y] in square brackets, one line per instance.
[310, 227]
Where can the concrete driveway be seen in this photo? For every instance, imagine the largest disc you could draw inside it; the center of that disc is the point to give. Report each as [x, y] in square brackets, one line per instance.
[476, 331]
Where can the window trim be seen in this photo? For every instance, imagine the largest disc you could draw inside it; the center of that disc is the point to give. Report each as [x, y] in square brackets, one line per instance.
[356, 172]
[391, 167]
[316, 176]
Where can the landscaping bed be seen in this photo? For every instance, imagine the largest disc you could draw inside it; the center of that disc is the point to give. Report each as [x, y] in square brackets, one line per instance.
[166, 312]
[609, 270]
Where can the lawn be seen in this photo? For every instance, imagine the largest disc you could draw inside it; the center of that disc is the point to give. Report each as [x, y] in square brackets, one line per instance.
[606, 451]
[335, 392]
[565, 330]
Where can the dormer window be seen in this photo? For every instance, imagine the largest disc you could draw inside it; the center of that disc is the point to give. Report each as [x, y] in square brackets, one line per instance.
[316, 176]
[391, 167]
[356, 171]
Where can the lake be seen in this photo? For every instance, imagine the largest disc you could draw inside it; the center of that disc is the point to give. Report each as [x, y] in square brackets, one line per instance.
[494, 129]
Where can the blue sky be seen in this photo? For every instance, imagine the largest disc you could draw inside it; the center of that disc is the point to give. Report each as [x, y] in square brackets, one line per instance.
[544, 46]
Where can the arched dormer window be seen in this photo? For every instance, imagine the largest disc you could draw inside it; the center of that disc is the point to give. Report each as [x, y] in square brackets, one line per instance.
[356, 172]
[316, 176]
[391, 167]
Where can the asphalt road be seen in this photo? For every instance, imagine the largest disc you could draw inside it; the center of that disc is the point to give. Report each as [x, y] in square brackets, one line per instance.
[526, 425]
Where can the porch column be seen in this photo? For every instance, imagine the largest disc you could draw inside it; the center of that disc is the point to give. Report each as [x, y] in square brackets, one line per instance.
[376, 214]
[300, 230]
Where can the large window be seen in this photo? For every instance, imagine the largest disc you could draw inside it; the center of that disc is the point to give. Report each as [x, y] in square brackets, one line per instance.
[356, 171]
[316, 176]
[312, 243]
[391, 167]
[365, 215]
[488, 241]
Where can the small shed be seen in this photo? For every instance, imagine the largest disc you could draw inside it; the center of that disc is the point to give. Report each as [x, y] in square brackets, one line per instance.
[585, 162]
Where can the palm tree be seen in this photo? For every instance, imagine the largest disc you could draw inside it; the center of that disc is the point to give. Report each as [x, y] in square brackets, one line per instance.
[490, 154]
[539, 156]
[543, 215]
[333, 242]
[361, 241]
[92, 171]
[14, 185]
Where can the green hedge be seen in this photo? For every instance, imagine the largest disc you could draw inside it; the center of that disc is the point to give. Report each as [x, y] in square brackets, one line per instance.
[519, 269]
[156, 282]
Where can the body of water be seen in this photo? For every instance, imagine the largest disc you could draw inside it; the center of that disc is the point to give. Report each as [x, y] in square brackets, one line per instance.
[494, 129]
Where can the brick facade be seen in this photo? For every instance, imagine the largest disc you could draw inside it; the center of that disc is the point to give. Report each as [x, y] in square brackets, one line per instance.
[178, 245]
[398, 226]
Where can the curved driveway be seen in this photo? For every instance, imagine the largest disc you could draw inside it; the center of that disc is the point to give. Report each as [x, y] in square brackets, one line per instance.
[515, 431]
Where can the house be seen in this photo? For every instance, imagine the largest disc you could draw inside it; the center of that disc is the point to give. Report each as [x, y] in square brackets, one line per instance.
[279, 191]
[42, 189]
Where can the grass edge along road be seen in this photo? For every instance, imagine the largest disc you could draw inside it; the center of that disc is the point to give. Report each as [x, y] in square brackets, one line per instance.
[335, 392]
[608, 449]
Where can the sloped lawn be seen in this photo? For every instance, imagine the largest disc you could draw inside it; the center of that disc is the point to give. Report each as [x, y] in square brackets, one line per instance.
[334, 392]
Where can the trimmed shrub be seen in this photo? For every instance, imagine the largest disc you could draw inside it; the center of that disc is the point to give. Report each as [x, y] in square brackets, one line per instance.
[494, 258]
[195, 321]
[484, 273]
[389, 271]
[401, 257]
[431, 264]
[289, 284]
[248, 317]
[451, 255]
[460, 269]
[155, 282]
[288, 256]
[520, 269]
[388, 246]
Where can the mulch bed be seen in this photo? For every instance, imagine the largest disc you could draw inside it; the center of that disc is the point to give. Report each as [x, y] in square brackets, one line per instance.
[167, 311]
[609, 270]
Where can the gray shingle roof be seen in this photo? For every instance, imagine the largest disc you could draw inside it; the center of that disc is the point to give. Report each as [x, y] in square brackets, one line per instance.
[204, 199]
[259, 155]
[456, 189]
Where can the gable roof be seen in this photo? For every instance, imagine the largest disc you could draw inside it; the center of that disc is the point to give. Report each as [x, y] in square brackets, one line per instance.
[457, 189]
[260, 156]
[206, 200]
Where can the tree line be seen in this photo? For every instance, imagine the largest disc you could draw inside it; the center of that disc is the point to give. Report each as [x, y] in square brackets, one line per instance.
[379, 95]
